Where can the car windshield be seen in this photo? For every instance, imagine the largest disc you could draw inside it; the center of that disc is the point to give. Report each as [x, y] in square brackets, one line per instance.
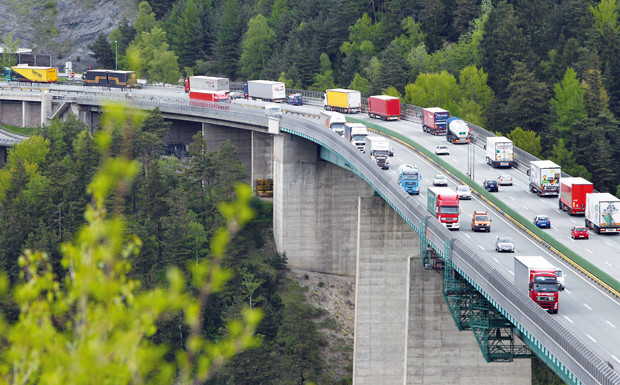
[504, 177]
[541, 218]
[440, 177]
[482, 218]
[462, 188]
[504, 240]
[580, 229]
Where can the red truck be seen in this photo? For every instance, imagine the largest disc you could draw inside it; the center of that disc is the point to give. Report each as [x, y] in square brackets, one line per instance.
[573, 195]
[443, 203]
[384, 107]
[435, 120]
[538, 279]
[197, 97]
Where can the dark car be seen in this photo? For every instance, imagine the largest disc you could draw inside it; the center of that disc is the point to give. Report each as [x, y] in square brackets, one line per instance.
[542, 221]
[579, 232]
[490, 185]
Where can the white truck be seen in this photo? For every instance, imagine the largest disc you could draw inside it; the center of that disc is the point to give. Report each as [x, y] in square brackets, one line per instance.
[266, 90]
[378, 148]
[207, 83]
[343, 100]
[603, 213]
[500, 151]
[356, 134]
[544, 177]
[334, 121]
[457, 131]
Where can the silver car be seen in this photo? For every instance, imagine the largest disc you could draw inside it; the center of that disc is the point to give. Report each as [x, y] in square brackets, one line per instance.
[464, 191]
[504, 244]
[440, 180]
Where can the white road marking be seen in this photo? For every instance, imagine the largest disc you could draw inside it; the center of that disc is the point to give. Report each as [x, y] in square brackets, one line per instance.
[612, 325]
[615, 358]
[590, 337]
[569, 320]
[480, 246]
[496, 260]
[513, 198]
[589, 308]
[589, 251]
[609, 244]
[608, 263]
[467, 235]
[511, 272]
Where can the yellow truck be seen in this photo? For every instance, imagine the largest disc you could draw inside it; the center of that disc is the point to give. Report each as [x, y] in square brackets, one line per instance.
[342, 100]
[31, 74]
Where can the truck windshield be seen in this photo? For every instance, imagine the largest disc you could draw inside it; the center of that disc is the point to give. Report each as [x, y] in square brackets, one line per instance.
[410, 176]
[381, 153]
[449, 209]
[358, 138]
[337, 126]
[545, 284]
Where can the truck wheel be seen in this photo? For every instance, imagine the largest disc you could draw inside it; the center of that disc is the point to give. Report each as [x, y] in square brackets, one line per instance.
[560, 205]
[570, 211]
[597, 229]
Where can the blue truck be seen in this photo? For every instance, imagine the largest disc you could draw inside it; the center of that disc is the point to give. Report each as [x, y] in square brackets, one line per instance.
[409, 178]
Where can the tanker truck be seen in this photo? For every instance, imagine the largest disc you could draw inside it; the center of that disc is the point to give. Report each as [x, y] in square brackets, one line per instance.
[457, 131]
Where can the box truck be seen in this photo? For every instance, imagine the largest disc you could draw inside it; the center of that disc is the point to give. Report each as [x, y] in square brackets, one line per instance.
[603, 213]
[537, 278]
[265, 90]
[206, 83]
[31, 74]
[435, 120]
[356, 134]
[544, 178]
[384, 107]
[334, 121]
[209, 96]
[500, 151]
[341, 100]
[443, 204]
[457, 131]
[409, 178]
[573, 193]
[378, 148]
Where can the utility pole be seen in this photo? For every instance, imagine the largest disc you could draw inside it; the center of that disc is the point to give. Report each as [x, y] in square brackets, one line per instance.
[116, 54]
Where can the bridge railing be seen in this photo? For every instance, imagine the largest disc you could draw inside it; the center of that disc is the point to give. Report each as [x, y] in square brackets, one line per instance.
[539, 327]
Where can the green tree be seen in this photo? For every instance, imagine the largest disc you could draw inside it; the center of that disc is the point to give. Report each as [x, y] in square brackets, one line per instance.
[476, 95]
[156, 62]
[565, 158]
[102, 52]
[393, 70]
[229, 34]
[107, 321]
[325, 79]
[435, 89]
[10, 45]
[526, 140]
[361, 84]
[145, 21]
[257, 45]
[528, 103]
[568, 103]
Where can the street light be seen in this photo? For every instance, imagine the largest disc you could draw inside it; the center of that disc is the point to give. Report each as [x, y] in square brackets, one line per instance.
[116, 54]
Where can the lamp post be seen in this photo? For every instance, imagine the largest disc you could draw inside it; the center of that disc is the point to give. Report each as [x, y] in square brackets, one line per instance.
[116, 54]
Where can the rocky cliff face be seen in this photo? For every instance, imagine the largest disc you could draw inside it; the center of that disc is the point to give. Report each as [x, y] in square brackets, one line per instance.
[63, 28]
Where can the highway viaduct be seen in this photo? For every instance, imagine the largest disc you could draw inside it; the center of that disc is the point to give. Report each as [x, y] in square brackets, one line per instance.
[328, 219]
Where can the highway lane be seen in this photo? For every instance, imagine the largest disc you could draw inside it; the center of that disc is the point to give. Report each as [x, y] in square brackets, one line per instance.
[597, 329]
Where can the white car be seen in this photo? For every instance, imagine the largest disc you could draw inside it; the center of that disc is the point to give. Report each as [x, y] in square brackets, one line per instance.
[504, 180]
[442, 150]
[463, 191]
[440, 180]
